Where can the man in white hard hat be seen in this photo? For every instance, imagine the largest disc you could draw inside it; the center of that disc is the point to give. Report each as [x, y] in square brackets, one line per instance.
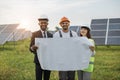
[42, 33]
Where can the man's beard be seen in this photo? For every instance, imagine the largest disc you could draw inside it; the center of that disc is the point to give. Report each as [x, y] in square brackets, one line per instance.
[65, 28]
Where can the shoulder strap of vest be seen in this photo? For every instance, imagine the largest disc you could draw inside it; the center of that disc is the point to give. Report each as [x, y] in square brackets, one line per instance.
[60, 33]
[71, 34]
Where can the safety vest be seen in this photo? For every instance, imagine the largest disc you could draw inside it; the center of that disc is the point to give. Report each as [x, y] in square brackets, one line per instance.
[92, 59]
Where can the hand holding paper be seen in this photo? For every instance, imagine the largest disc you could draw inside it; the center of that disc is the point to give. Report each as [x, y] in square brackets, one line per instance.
[63, 54]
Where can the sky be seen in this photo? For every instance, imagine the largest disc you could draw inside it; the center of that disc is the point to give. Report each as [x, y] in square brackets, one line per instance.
[79, 12]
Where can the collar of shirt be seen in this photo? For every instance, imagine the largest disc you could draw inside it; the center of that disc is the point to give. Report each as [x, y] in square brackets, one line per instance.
[43, 33]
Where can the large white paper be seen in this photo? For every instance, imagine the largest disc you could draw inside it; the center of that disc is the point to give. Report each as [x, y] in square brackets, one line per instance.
[63, 54]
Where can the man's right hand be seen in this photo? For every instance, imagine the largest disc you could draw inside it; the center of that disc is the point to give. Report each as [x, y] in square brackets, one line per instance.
[34, 48]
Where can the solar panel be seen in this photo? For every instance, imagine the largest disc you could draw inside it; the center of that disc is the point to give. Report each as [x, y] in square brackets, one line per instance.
[75, 28]
[114, 32]
[99, 27]
[2, 27]
[27, 34]
[7, 32]
[113, 41]
[99, 41]
[20, 34]
[98, 33]
[17, 35]
[99, 21]
[114, 26]
[114, 20]
[106, 31]
[98, 30]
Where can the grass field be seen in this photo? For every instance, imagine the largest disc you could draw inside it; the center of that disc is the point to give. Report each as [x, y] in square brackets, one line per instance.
[16, 62]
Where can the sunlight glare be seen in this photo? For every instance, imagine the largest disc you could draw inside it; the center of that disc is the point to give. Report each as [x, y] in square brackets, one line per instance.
[24, 24]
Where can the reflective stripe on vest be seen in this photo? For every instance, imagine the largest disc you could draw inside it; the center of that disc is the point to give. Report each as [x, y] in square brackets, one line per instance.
[91, 60]
[91, 65]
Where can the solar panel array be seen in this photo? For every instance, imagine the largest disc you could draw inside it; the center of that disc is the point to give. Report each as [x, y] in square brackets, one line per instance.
[27, 34]
[6, 32]
[75, 28]
[106, 31]
[114, 32]
[9, 32]
[17, 35]
[2, 27]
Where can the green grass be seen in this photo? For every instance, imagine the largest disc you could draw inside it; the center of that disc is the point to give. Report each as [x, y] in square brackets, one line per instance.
[16, 62]
[107, 63]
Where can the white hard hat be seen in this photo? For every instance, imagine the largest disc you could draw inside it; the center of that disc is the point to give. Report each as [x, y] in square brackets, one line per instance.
[88, 27]
[43, 17]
